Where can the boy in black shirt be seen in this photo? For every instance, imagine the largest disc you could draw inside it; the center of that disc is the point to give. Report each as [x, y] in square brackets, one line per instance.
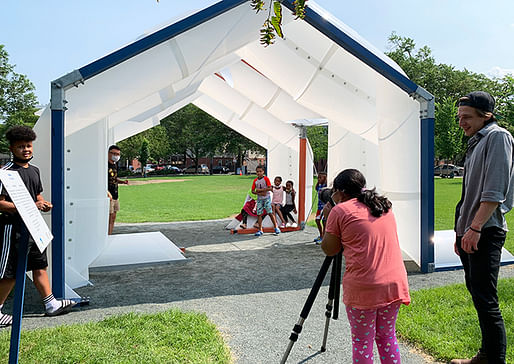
[20, 140]
[112, 184]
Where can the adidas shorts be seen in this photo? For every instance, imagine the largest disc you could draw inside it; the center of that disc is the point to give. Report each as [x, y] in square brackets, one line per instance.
[9, 239]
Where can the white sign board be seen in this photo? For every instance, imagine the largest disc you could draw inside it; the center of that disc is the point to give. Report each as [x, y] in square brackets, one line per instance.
[26, 207]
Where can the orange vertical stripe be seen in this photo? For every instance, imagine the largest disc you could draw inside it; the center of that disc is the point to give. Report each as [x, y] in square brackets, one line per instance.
[302, 182]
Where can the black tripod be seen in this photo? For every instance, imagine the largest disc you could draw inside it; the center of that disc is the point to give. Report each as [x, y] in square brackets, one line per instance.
[333, 301]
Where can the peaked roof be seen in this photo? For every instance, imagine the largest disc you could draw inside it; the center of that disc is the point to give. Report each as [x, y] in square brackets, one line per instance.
[142, 82]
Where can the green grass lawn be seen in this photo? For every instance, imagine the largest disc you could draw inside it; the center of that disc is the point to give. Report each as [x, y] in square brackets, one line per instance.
[193, 198]
[446, 196]
[443, 322]
[311, 221]
[168, 337]
[217, 197]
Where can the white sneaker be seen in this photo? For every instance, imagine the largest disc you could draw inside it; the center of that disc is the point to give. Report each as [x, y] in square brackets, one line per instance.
[288, 224]
[294, 224]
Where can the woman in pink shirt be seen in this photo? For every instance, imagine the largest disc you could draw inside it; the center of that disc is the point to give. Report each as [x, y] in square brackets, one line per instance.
[375, 281]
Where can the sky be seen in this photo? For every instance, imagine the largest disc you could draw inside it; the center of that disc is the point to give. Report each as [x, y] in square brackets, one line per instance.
[48, 39]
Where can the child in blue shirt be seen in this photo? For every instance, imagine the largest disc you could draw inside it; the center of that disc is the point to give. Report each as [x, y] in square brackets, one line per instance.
[322, 183]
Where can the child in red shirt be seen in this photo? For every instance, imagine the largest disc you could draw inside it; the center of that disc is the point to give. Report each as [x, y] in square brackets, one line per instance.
[261, 187]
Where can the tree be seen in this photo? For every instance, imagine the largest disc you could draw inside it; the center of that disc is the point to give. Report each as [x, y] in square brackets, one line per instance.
[194, 133]
[144, 154]
[504, 93]
[190, 132]
[440, 80]
[447, 85]
[237, 144]
[318, 139]
[448, 134]
[17, 99]
[131, 147]
[159, 143]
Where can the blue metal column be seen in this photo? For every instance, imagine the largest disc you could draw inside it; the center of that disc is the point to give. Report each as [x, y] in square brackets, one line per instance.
[57, 105]
[19, 294]
[427, 195]
[58, 262]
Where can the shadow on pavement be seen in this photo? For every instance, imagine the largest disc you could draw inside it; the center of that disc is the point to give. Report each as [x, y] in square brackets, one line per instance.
[220, 264]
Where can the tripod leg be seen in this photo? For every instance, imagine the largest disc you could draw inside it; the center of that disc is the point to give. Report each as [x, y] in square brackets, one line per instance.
[338, 261]
[329, 306]
[333, 297]
[292, 339]
[307, 306]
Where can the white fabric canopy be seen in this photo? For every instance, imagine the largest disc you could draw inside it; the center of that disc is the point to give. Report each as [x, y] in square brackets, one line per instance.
[213, 59]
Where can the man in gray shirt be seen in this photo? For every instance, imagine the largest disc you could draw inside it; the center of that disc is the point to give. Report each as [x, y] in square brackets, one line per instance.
[487, 195]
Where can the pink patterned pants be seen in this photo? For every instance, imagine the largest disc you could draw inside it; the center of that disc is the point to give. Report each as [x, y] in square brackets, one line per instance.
[376, 325]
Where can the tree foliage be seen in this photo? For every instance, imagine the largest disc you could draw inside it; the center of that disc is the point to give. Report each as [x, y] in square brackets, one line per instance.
[447, 134]
[236, 144]
[159, 143]
[318, 139]
[189, 132]
[448, 84]
[131, 147]
[17, 99]
[272, 26]
[194, 132]
[144, 155]
[441, 80]
[503, 91]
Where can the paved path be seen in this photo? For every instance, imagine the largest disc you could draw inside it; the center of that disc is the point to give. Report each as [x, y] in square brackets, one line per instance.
[253, 289]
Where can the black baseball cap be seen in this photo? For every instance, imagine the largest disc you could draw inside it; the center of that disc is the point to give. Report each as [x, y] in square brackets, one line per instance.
[478, 99]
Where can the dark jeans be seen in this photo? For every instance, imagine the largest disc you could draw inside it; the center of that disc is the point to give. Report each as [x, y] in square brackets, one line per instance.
[481, 274]
[245, 216]
[286, 212]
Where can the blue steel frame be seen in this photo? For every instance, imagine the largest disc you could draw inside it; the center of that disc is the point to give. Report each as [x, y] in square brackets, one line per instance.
[427, 195]
[19, 296]
[139, 46]
[58, 230]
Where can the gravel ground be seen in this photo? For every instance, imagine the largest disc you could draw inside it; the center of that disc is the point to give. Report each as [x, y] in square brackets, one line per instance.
[253, 289]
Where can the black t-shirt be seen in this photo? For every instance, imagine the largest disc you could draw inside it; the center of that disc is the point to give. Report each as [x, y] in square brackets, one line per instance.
[112, 180]
[30, 176]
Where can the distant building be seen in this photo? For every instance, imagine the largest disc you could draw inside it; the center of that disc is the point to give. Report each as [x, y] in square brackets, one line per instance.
[250, 162]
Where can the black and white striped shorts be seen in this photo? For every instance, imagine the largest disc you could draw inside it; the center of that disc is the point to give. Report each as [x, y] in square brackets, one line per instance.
[9, 239]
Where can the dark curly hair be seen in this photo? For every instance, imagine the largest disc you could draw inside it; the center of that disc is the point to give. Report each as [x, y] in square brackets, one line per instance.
[353, 183]
[20, 133]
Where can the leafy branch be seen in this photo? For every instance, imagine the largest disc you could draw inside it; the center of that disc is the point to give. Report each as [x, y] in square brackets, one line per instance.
[272, 26]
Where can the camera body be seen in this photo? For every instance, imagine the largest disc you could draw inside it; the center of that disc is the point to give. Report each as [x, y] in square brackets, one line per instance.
[325, 195]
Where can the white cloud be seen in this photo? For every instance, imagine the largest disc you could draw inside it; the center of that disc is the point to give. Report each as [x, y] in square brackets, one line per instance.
[500, 72]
